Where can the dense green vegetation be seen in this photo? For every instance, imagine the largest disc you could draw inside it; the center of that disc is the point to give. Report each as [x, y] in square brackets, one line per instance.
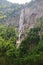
[30, 51]
[9, 10]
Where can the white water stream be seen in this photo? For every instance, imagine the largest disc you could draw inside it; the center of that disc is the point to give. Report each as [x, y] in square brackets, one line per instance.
[21, 27]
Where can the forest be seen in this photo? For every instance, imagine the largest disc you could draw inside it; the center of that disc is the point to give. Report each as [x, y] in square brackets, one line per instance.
[30, 51]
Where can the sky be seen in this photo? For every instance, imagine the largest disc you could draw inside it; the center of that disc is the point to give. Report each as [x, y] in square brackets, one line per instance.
[19, 1]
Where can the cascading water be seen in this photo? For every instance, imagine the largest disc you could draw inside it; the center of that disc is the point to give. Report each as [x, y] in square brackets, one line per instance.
[21, 27]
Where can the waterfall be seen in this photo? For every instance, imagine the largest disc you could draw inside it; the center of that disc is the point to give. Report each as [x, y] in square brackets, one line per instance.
[21, 21]
[21, 27]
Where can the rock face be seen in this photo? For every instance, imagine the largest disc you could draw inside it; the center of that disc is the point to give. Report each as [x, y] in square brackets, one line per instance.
[30, 15]
[33, 10]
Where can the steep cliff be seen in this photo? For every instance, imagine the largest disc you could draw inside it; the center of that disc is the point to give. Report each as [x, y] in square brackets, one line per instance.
[10, 13]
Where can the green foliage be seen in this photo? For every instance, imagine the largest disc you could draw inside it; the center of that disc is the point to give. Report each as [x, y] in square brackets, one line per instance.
[33, 36]
[10, 32]
[30, 51]
[32, 39]
[9, 10]
[7, 41]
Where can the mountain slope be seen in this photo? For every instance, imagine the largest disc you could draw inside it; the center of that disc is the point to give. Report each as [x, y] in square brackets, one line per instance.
[33, 11]
[10, 13]
[8, 10]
